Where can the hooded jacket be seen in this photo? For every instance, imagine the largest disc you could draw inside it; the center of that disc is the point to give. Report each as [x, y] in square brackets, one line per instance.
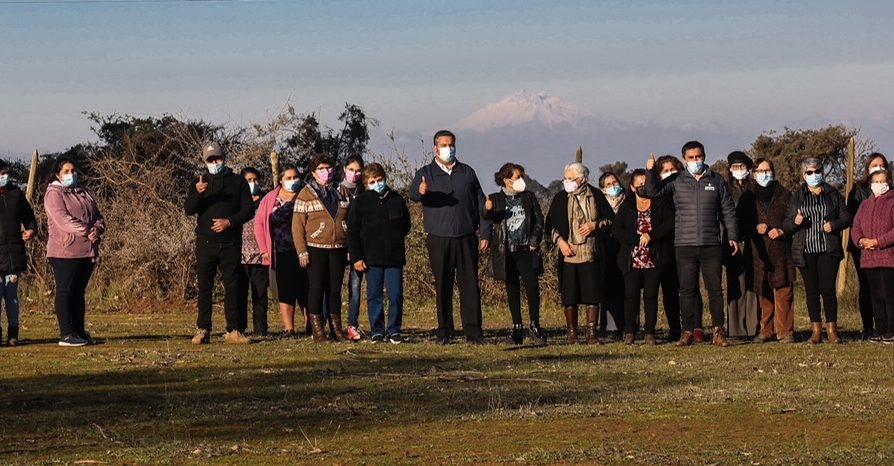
[71, 214]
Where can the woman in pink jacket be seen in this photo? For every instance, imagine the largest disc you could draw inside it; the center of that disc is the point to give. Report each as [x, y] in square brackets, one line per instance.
[273, 230]
[873, 232]
[75, 230]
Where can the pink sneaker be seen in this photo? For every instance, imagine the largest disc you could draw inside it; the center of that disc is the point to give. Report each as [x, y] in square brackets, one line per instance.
[353, 333]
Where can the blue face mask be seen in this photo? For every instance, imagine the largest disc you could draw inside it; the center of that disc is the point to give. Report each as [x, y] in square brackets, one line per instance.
[378, 186]
[4, 180]
[254, 189]
[614, 191]
[814, 180]
[69, 180]
[291, 185]
[763, 179]
[214, 167]
[695, 167]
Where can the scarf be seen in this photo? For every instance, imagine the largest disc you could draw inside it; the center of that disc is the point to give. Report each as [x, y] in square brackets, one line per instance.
[616, 201]
[328, 194]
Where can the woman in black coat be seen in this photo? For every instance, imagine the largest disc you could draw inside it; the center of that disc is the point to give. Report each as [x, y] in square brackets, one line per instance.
[515, 247]
[645, 230]
[17, 225]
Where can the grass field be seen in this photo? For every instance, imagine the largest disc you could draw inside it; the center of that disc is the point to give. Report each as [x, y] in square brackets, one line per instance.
[147, 396]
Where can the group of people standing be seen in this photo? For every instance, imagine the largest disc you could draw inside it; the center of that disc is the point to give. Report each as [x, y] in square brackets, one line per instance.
[675, 225]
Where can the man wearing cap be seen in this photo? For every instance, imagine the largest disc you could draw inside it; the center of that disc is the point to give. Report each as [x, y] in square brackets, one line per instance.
[222, 203]
[742, 305]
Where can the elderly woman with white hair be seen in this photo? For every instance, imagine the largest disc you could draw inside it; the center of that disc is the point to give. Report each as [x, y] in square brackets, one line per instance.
[816, 216]
[576, 220]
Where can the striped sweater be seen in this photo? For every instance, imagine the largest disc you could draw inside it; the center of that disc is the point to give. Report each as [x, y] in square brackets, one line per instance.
[313, 226]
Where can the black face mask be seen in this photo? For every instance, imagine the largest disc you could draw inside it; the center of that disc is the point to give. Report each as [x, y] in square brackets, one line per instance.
[640, 192]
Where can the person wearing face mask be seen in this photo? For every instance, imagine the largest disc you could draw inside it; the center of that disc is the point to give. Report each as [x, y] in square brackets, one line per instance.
[668, 168]
[353, 182]
[319, 230]
[644, 228]
[256, 275]
[575, 217]
[873, 233]
[452, 213]
[742, 307]
[273, 233]
[859, 193]
[221, 202]
[761, 220]
[17, 225]
[816, 216]
[702, 204]
[76, 228]
[612, 311]
[378, 224]
[515, 248]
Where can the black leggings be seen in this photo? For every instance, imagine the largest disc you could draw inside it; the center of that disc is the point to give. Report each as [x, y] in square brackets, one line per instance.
[881, 284]
[325, 276]
[72, 276]
[646, 280]
[819, 280]
[520, 267]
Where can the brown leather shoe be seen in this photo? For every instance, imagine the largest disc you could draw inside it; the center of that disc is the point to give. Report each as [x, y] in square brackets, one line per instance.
[832, 333]
[629, 338]
[571, 324]
[698, 335]
[593, 325]
[720, 337]
[686, 339]
[816, 336]
[650, 340]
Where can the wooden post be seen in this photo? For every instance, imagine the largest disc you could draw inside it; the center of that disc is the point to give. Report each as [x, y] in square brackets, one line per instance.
[32, 177]
[274, 168]
[846, 236]
[579, 155]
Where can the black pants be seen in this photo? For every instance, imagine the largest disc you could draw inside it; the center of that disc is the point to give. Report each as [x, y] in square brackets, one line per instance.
[614, 296]
[867, 310]
[325, 276]
[646, 280]
[690, 261]
[456, 259]
[72, 276]
[881, 282]
[227, 258]
[819, 280]
[520, 268]
[256, 281]
[670, 296]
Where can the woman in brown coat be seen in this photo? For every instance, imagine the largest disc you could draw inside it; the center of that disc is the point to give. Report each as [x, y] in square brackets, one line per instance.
[774, 272]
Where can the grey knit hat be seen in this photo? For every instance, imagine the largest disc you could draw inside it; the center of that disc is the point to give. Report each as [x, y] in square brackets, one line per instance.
[211, 149]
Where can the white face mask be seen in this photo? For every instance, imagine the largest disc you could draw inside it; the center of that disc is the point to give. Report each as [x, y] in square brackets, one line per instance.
[447, 154]
[879, 187]
[4, 180]
[667, 174]
[519, 185]
[570, 185]
[739, 174]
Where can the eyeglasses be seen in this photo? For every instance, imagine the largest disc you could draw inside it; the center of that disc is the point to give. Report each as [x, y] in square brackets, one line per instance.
[811, 172]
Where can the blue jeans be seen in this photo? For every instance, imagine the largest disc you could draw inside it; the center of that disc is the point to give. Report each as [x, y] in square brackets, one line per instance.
[355, 280]
[392, 279]
[10, 293]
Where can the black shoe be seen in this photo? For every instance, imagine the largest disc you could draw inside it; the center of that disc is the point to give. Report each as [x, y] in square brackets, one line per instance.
[476, 341]
[536, 333]
[866, 335]
[518, 334]
[87, 337]
[73, 340]
[378, 338]
[395, 339]
[443, 341]
[287, 335]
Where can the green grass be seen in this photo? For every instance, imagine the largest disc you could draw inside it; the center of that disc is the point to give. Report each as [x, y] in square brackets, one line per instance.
[147, 396]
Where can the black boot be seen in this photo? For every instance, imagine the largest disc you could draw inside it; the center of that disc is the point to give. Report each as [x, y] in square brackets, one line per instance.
[13, 336]
[518, 334]
[536, 333]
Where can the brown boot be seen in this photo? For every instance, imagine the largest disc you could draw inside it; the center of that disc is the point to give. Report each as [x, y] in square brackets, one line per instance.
[832, 333]
[336, 327]
[686, 339]
[817, 336]
[593, 325]
[650, 340]
[316, 326]
[720, 337]
[629, 339]
[571, 323]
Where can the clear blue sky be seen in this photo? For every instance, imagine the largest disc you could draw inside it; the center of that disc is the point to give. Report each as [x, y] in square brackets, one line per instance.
[418, 65]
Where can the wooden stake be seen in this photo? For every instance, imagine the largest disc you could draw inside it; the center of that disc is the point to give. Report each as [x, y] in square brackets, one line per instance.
[32, 177]
[579, 155]
[274, 168]
[846, 237]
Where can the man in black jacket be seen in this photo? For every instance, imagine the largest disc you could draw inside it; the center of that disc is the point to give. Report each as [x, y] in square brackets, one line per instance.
[222, 202]
[702, 202]
[17, 225]
[453, 210]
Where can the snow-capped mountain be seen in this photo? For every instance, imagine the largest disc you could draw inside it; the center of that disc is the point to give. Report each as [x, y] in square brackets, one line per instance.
[523, 108]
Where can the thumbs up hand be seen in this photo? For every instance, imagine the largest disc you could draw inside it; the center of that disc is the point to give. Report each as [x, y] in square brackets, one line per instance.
[423, 187]
[201, 186]
[799, 218]
[488, 204]
[650, 164]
